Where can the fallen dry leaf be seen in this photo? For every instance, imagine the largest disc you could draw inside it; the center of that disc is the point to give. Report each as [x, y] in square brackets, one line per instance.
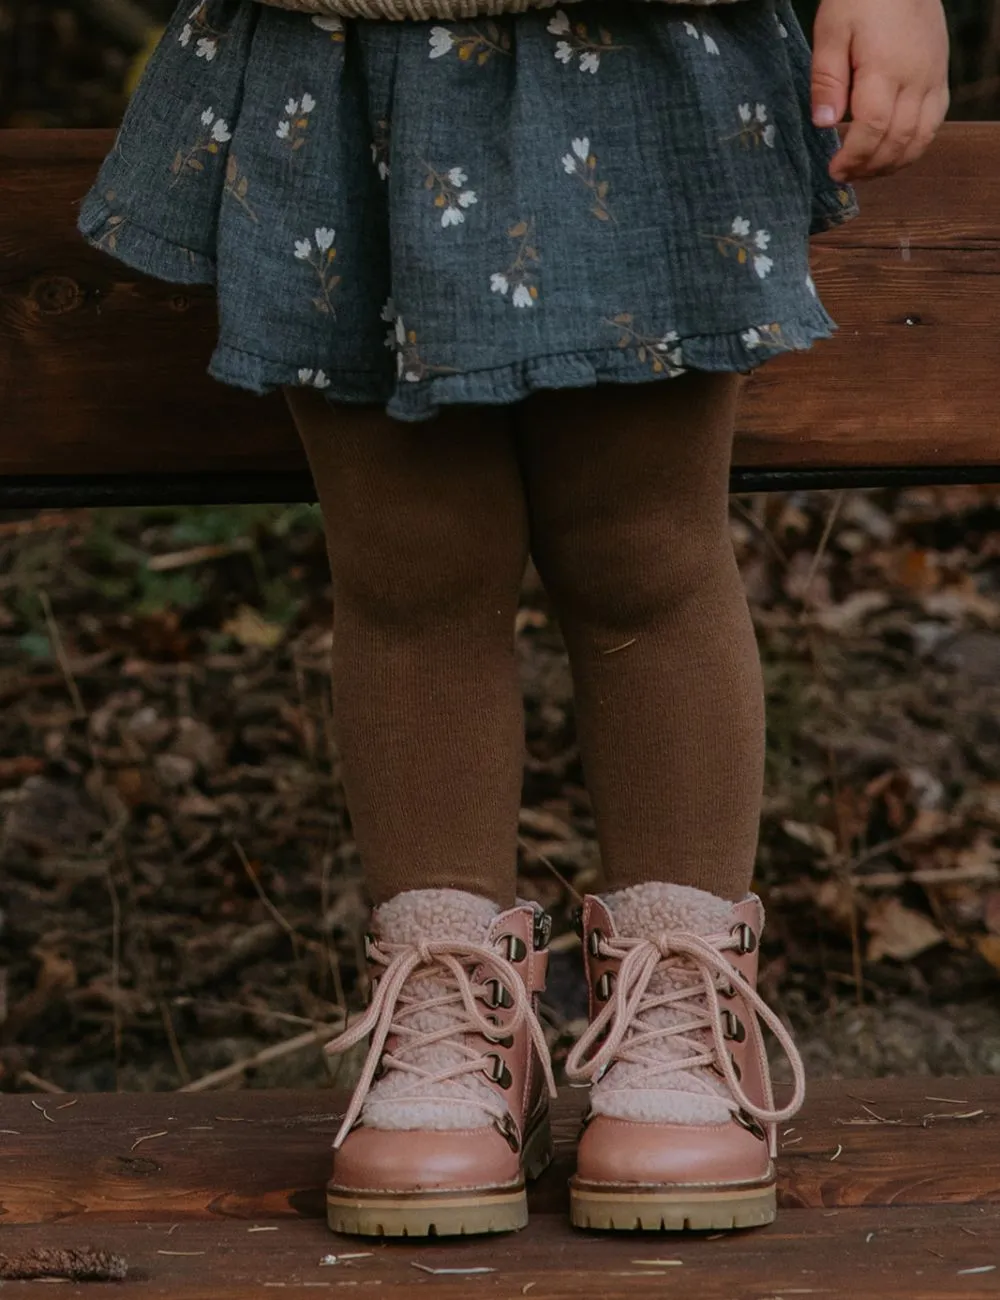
[899, 931]
[250, 629]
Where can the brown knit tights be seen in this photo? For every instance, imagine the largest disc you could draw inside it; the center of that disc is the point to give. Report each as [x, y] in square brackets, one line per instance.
[621, 495]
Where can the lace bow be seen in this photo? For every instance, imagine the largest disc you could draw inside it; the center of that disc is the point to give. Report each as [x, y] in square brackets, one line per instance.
[392, 1004]
[622, 1019]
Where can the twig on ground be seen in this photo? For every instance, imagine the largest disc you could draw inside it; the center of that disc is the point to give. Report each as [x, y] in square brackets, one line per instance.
[275, 1052]
[61, 657]
[42, 1085]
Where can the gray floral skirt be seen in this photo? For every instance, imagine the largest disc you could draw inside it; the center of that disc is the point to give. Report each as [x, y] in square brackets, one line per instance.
[419, 214]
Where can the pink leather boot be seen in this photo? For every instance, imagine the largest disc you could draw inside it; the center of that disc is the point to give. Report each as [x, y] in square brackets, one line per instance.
[681, 1131]
[450, 1114]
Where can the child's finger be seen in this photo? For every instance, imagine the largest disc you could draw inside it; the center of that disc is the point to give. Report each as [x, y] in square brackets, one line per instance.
[902, 130]
[872, 107]
[932, 113]
[831, 73]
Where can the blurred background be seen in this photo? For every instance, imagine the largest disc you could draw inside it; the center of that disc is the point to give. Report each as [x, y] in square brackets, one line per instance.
[179, 888]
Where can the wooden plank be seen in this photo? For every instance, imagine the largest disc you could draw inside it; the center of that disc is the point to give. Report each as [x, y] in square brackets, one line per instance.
[102, 370]
[899, 1253]
[251, 1155]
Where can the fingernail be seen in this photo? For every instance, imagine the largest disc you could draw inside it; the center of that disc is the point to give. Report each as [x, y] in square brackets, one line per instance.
[824, 115]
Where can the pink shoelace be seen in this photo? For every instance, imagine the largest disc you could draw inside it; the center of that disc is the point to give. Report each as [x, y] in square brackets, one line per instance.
[628, 1033]
[392, 1004]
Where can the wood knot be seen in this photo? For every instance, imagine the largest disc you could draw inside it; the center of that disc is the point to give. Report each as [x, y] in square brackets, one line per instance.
[57, 294]
[129, 1166]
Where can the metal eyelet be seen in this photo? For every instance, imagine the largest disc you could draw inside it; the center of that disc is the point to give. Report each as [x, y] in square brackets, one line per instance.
[516, 948]
[750, 1123]
[502, 996]
[380, 1070]
[733, 1027]
[508, 1129]
[747, 938]
[542, 930]
[594, 943]
[499, 1074]
[605, 986]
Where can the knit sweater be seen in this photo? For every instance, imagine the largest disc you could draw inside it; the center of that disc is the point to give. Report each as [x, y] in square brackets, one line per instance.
[424, 10]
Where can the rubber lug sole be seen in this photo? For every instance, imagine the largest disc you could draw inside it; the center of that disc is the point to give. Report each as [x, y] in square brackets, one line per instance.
[670, 1209]
[440, 1214]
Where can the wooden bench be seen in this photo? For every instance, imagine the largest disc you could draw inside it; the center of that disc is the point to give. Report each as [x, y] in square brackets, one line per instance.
[890, 1191]
[104, 396]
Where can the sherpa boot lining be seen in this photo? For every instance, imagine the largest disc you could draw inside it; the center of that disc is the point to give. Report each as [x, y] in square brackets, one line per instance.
[684, 1096]
[409, 918]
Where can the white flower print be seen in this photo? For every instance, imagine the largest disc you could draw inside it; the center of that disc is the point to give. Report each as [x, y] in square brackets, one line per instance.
[208, 142]
[322, 263]
[197, 27]
[692, 29]
[580, 154]
[765, 336]
[661, 352]
[578, 44]
[782, 29]
[749, 246]
[313, 378]
[478, 43]
[811, 286]
[755, 129]
[334, 26]
[410, 365]
[451, 196]
[294, 125]
[519, 278]
[582, 163]
[442, 42]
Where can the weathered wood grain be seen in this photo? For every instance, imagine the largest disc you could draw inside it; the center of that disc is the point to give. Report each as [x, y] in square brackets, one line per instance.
[250, 1155]
[874, 1253]
[102, 370]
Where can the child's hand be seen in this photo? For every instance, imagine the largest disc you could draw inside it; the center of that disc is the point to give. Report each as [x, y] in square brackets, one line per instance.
[888, 61]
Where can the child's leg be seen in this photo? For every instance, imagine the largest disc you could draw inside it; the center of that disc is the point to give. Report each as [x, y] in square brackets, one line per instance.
[628, 501]
[427, 536]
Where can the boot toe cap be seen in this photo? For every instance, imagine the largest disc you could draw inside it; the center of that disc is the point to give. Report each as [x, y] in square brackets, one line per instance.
[629, 1152]
[402, 1160]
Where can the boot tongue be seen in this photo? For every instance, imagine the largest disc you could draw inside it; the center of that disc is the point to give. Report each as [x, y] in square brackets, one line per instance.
[649, 911]
[400, 1101]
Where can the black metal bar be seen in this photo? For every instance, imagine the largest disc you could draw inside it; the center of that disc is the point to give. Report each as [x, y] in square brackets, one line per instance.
[66, 492]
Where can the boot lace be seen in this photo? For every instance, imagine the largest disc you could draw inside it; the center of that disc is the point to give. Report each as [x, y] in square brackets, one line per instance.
[631, 1037]
[396, 1001]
